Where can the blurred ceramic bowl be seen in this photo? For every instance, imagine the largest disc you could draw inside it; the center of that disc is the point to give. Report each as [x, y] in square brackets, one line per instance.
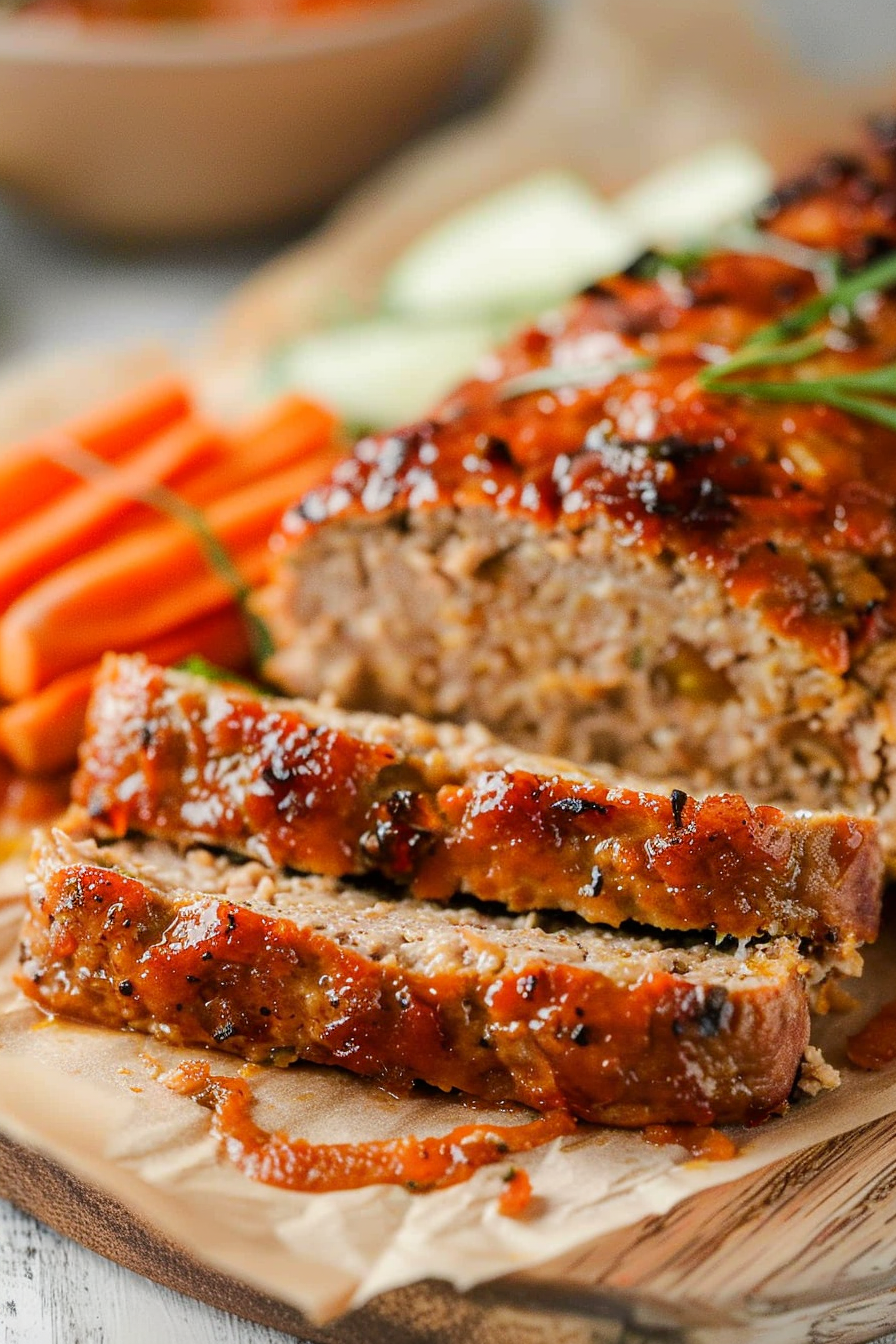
[183, 131]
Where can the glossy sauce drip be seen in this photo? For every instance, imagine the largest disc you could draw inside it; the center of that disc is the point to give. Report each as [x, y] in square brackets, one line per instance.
[702, 1142]
[875, 1045]
[417, 1164]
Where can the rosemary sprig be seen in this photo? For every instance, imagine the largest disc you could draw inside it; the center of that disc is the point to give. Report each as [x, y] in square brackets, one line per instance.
[820, 392]
[861, 393]
[845, 294]
[219, 560]
[554, 377]
[794, 352]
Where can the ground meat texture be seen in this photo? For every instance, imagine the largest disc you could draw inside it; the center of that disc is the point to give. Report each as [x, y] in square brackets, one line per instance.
[440, 810]
[690, 586]
[620, 1029]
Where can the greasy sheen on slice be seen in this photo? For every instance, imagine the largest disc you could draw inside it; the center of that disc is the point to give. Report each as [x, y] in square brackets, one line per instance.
[442, 810]
[201, 951]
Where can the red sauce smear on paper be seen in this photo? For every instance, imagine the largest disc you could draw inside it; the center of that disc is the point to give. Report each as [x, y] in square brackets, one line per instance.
[875, 1045]
[417, 1164]
[710, 1145]
[516, 1196]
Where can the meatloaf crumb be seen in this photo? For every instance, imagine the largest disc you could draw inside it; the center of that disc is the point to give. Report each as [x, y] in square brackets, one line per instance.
[816, 1074]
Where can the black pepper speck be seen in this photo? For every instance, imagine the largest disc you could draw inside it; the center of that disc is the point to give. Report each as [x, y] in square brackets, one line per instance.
[678, 799]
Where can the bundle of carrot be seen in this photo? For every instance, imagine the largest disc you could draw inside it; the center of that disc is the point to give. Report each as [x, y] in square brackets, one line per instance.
[141, 526]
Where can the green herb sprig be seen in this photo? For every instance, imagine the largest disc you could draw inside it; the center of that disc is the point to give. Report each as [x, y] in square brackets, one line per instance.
[554, 377]
[845, 294]
[866, 393]
[199, 666]
[754, 357]
[219, 560]
[834, 392]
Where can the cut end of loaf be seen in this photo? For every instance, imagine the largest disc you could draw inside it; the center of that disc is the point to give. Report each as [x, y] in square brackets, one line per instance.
[571, 644]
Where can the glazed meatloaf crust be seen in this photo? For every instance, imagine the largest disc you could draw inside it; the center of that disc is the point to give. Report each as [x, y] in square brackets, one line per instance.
[197, 950]
[595, 556]
[441, 810]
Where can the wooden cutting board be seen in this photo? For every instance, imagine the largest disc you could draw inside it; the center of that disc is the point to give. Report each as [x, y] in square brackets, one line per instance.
[802, 1251]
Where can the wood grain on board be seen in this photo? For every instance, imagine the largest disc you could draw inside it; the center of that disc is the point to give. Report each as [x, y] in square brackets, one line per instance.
[805, 1250]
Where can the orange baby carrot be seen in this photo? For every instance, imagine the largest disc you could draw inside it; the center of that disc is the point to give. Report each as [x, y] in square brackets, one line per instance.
[104, 505]
[33, 473]
[288, 433]
[143, 584]
[40, 734]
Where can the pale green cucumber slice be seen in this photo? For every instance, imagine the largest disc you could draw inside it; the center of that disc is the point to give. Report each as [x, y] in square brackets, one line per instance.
[690, 200]
[513, 252]
[467, 282]
[382, 372]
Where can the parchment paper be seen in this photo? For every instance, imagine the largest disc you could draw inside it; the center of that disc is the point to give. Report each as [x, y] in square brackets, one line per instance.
[88, 1098]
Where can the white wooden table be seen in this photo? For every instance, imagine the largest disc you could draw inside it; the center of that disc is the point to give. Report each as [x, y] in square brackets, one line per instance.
[55, 1292]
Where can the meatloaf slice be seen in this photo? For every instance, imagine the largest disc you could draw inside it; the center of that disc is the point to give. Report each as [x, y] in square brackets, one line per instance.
[593, 555]
[198, 950]
[442, 810]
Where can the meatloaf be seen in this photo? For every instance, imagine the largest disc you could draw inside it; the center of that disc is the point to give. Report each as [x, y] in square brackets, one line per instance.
[198, 950]
[593, 555]
[440, 810]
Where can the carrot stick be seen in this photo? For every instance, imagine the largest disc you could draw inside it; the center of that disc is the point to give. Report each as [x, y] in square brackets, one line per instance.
[40, 734]
[221, 638]
[142, 584]
[289, 433]
[104, 505]
[30, 475]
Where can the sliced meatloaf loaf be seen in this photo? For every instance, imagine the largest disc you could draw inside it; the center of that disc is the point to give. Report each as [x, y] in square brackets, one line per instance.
[594, 555]
[197, 950]
[441, 810]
